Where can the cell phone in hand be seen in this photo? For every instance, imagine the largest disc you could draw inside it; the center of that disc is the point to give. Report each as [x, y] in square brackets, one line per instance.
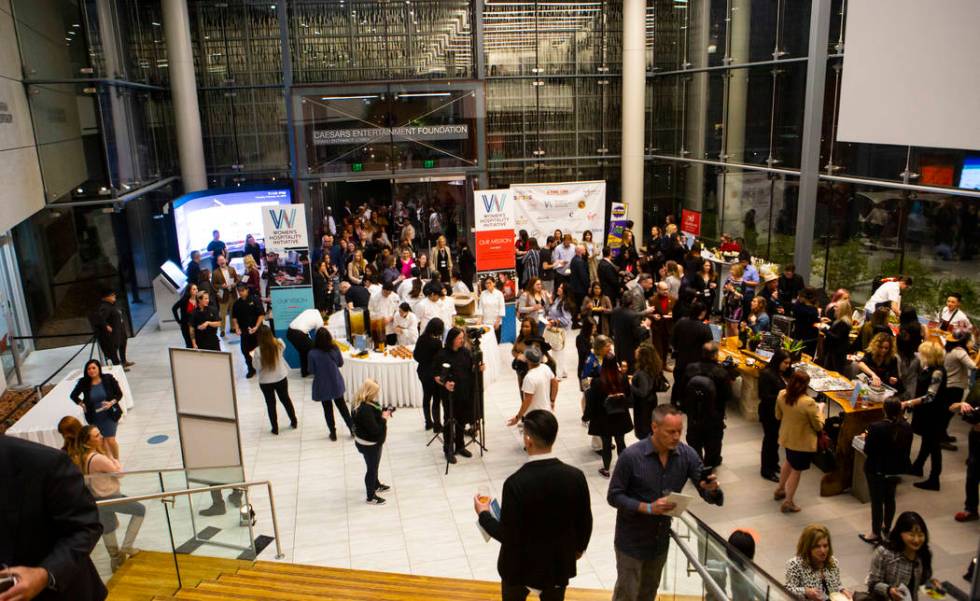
[7, 583]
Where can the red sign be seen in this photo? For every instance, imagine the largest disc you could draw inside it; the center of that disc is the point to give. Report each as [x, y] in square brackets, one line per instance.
[494, 250]
[691, 222]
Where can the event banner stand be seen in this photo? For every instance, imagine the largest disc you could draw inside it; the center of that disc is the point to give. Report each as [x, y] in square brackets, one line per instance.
[291, 286]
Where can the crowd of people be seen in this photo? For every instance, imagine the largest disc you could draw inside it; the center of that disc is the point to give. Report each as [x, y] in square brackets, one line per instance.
[642, 320]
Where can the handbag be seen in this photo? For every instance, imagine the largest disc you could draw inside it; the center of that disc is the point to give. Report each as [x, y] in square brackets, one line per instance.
[555, 337]
[662, 384]
[115, 412]
[824, 458]
[616, 403]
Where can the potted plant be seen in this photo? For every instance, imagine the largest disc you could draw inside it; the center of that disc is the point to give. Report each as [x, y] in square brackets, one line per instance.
[793, 348]
[754, 340]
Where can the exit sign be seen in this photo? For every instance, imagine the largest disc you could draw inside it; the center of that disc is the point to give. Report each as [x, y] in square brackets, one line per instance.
[357, 167]
[429, 163]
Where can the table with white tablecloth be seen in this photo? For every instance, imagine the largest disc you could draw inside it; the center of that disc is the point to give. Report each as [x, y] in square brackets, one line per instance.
[40, 423]
[400, 384]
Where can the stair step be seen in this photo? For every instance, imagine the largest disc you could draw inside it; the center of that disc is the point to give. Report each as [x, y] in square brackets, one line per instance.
[328, 573]
[357, 589]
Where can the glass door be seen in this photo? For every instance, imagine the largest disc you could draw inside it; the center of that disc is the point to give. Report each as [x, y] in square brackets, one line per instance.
[13, 314]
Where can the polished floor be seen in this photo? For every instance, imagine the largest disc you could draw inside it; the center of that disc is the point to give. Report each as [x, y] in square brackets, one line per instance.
[428, 526]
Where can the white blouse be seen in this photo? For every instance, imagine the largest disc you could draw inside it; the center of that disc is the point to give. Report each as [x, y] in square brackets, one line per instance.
[279, 371]
[491, 306]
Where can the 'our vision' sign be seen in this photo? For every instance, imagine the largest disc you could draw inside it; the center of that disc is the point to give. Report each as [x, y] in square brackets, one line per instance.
[366, 135]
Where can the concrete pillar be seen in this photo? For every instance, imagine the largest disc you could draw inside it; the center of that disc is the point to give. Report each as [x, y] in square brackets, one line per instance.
[183, 91]
[634, 94]
[737, 91]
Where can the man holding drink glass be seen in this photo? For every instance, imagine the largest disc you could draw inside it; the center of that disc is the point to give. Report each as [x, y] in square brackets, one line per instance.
[545, 519]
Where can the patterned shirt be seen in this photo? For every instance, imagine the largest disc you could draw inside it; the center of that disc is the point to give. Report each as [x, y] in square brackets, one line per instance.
[801, 576]
[889, 569]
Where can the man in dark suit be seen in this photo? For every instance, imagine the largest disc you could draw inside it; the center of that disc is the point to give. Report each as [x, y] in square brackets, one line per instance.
[49, 523]
[579, 281]
[545, 518]
[608, 275]
[705, 400]
[629, 329]
[688, 338]
[109, 328]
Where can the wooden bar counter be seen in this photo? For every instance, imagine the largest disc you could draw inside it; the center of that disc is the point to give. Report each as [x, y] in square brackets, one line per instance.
[854, 420]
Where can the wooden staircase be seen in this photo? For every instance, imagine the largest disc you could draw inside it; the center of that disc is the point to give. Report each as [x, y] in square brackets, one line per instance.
[150, 575]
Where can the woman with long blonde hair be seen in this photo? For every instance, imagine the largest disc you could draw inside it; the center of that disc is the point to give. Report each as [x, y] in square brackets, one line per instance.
[370, 431]
[273, 369]
[927, 412]
[252, 277]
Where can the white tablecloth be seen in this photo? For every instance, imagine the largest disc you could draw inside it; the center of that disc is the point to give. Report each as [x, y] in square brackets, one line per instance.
[491, 358]
[40, 424]
[400, 385]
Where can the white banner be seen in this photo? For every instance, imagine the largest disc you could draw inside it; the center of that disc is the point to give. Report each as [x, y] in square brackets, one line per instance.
[285, 228]
[571, 207]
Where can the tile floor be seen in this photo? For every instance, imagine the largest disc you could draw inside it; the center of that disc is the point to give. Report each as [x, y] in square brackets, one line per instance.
[428, 526]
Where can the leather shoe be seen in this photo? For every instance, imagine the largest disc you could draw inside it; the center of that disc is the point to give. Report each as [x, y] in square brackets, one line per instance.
[333, 436]
[772, 477]
[437, 428]
[464, 453]
[450, 458]
[927, 485]
[948, 446]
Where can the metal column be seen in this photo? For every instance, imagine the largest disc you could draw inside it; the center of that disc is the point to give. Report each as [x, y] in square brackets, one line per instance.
[816, 76]
[183, 91]
[634, 96]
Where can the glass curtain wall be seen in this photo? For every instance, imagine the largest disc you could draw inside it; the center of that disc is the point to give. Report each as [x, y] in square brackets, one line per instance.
[96, 72]
[554, 80]
[725, 95]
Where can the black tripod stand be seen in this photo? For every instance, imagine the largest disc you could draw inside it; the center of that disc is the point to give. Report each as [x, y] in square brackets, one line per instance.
[478, 434]
[448, 419]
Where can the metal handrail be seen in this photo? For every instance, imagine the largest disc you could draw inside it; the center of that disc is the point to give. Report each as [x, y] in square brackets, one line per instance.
[170, 495]
[709, 582]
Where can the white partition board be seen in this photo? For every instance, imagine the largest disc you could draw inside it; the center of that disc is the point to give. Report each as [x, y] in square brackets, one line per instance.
[207, 411]
[208, 443]
[910, 74]
[203, 382]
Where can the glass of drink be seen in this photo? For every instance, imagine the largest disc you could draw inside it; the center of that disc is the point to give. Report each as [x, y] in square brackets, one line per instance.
[483, 493]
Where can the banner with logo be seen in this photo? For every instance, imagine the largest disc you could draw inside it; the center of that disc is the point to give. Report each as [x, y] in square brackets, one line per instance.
[691, 222]
[286, 304]
[285, 228]
[494, 231]
[617, 223]
[571, 207]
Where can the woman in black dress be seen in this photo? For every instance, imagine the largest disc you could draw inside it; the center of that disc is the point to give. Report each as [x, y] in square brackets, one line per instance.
[772, 379]
[879, 362]
[183, 309]
[837, 339]
[607, 406]
[457, 391]
[927, 416]
[428, 346]
[466, 264]
[643, 386]
[909, 339]
[887, 447]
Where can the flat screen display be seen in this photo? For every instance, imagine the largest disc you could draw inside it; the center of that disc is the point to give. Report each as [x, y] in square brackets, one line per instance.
[174, 273]
[970, 176]
[235, 213]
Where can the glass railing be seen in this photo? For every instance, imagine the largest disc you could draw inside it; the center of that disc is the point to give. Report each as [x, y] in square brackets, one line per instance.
[179, 513]
[703, 565]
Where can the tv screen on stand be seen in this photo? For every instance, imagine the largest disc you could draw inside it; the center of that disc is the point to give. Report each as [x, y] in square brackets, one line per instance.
[235, 213]
[970, 174]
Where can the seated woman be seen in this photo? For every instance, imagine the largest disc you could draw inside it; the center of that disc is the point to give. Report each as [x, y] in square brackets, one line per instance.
[879, 362]
[88, 452]
[904, 562]
[813, 574]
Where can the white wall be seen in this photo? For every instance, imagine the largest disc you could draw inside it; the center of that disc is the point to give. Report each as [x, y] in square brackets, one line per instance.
[21, 189]
[910, 73]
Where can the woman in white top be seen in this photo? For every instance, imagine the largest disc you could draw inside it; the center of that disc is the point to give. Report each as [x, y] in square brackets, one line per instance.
[406, 325]
[492, 306]
[273, 369]
[447, 308]
[88, 451]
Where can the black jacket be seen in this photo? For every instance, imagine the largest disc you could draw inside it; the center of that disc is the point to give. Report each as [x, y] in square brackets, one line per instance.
[179, 309]
[358, 296]
[80, 394]
[580, 276]
[368, 423]
[48, 518]
[714, 412]
[624, 325]
[424, 354]
[887, 447]
[108, 314]
[545, 523]
[609, 280]
[688, 337]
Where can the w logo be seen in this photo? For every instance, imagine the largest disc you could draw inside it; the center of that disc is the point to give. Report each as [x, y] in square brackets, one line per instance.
[279, 218]
[493, 201]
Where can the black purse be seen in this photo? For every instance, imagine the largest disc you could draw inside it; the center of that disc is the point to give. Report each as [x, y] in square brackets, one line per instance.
[616, 403]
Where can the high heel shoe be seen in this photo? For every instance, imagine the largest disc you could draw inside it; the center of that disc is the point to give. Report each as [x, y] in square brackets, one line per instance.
[789, 508]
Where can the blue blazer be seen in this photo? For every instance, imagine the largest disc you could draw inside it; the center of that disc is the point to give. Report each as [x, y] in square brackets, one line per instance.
[328, 384]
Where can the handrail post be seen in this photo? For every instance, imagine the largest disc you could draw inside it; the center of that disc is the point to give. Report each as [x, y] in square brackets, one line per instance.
[275, 521]
[709, 582]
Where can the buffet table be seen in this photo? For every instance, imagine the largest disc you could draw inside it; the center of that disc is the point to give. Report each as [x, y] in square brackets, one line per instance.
[400, 384]
[854, 420]
[40, 424]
